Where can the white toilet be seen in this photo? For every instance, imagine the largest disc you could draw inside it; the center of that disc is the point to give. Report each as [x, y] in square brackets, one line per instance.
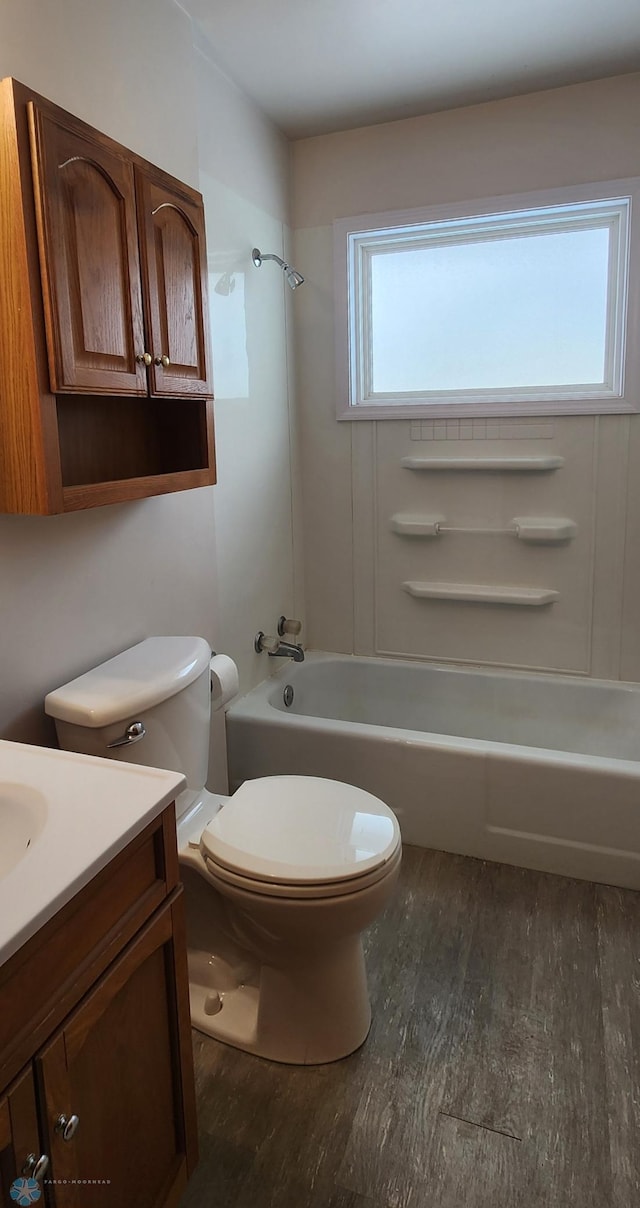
[280, 879]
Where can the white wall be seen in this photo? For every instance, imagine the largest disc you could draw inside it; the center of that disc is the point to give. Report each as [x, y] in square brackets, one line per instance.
[354, 599]
[76, 589]
[245, 182]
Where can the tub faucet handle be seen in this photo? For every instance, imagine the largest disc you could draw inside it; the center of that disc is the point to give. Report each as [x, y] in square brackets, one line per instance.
[276, 648]
[264, 642]
[289, 625]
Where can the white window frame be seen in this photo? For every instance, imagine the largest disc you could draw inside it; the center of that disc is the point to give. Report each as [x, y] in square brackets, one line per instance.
[611, 203]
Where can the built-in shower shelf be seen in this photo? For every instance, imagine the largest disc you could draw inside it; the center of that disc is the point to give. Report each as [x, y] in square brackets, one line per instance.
[536, 530]
[417, 526]
[481, 593]
[533, 464]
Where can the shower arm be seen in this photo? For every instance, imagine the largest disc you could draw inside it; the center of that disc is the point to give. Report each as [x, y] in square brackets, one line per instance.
[270, 256]
[293, 277]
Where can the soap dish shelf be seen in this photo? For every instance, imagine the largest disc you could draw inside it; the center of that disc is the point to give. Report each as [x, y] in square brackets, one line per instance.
[535, 530]
[532, 464]
[481, 593]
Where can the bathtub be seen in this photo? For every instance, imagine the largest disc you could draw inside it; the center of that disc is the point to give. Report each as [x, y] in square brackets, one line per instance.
[537, 770]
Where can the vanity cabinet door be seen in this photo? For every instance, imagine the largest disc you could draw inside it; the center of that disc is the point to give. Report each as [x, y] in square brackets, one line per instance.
[89, 260]
[120, 1066]
[174, 268]
[20, 1153]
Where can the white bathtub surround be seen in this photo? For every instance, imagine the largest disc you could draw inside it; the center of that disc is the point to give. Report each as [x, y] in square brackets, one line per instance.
[356, 604]
[567, 634]
[539, 771]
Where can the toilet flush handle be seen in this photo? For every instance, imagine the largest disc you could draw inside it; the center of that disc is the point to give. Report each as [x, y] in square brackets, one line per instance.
[133, 733]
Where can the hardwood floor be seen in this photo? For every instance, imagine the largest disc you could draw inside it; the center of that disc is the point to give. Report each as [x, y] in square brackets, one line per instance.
[502, 1069]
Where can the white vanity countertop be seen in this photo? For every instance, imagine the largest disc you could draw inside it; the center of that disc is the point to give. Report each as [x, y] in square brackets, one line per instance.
[70, 815]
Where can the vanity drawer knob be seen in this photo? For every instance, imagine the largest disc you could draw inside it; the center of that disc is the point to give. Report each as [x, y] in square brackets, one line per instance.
[144, 358]
[163, 360]
[67, 1127]
[36, 1167]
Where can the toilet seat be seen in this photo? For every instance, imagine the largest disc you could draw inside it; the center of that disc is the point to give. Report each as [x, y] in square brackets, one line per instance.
[301, 836]
[316, 890]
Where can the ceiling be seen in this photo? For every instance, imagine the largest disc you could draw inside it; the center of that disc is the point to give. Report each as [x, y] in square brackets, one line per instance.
[320, 65]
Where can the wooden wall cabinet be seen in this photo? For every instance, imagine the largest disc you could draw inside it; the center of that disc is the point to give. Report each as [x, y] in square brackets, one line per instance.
[174, 264]
[120, 1059]
[105, 374]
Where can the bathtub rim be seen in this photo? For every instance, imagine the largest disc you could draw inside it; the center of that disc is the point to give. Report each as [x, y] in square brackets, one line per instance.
[257, 704]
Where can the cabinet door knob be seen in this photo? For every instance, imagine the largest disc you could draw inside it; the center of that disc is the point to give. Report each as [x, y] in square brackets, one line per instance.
[36, 1167]
[163, 360]
[67, 1126]
[144, 358]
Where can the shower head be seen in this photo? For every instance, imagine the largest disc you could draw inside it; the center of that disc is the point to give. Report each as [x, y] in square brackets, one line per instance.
[293, 278]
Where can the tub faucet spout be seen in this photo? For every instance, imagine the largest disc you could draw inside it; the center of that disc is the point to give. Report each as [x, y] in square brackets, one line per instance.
[276, 648]
[288, 650]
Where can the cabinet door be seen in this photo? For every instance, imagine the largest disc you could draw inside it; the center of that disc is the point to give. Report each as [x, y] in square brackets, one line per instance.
[122, 1065]
[174, 266]
[85, 206]
[20, 1154]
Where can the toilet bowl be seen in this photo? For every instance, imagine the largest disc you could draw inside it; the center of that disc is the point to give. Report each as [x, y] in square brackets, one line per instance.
[280, 879]
[301, 866]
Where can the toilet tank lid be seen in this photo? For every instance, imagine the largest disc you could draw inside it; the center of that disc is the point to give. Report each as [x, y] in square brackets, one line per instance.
[137, 679]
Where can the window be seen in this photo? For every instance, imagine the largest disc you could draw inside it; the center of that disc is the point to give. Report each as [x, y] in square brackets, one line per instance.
[516, 306]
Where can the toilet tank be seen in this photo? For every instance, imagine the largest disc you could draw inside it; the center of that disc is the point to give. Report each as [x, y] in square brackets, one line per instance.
[163, 683]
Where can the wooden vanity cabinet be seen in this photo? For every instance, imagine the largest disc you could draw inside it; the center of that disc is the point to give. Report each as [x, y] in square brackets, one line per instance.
[19, 1133]
[120, 1060]
[105, 377]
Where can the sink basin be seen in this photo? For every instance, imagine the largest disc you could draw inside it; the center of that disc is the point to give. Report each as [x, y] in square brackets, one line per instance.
[23, 813]
[63, 818]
